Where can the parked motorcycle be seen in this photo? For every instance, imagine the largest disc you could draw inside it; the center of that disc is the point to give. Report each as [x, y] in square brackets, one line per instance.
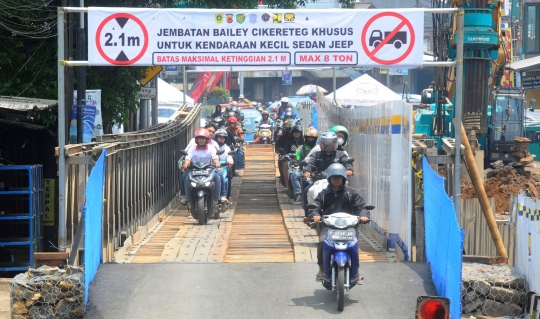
[340, 253]
[265, 134]
[201, 188]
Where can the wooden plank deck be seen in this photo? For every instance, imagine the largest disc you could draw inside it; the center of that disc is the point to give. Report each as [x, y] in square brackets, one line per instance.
[258, 232]
[261, 226]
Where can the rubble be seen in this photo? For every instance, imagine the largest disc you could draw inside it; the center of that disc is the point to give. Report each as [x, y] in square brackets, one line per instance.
[48, 292]
[503, 181]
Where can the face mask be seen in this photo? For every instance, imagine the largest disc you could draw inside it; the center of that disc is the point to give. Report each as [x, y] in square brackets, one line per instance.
[340, 141]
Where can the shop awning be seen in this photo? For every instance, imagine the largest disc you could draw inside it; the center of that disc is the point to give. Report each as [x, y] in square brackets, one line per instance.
[526, 65]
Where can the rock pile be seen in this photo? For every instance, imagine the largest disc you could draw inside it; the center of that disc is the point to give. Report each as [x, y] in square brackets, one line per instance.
[492, 290]
[48, 292]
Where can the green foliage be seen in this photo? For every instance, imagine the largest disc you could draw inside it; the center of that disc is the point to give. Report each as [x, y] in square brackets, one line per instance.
[218, 95]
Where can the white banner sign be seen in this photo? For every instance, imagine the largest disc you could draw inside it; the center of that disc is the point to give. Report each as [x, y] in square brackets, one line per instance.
[307, 38]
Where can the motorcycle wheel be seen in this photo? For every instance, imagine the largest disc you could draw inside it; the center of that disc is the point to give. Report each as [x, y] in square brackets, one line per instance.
[340, 288]
[200, 210]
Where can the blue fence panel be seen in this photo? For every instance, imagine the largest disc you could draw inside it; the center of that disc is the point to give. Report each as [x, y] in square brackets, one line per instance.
[93, 210]
[444, 240]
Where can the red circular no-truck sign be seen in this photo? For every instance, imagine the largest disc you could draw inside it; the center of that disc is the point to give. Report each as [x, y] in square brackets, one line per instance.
[379, 38]
[121, 39]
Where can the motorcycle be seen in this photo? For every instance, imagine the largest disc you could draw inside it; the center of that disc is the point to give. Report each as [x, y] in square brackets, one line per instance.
[265, 134]
[340, 252]
[201, 188]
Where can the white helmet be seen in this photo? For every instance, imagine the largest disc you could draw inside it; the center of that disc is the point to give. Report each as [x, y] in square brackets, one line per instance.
[284, 99]
[254, 103]
[241, 96]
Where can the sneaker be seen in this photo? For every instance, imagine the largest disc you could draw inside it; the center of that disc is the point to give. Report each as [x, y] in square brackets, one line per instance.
[183, 200]
[297, 199]
[223, 199]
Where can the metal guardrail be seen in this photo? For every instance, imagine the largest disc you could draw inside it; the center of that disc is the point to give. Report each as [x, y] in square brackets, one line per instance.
[141, 177]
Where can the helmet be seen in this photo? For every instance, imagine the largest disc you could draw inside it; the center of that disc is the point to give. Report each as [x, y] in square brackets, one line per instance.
[296, 128]
[221, 132]
[218, 121]
[288, 125]
[254, 103]
[336, 169]
[231, 114]
[289, 105]
[202, 132]
[264, 113]
[228, 108]
[235, 109]
[232, 119]
[343, 129]
[289, 114]
[274, 108]
[260, 109]
[241, 96]
[311, 132]
[328, 142]
[284, 99]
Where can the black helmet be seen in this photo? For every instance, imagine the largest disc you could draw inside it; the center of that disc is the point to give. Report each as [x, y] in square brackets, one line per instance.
[235, 109]
[231, 114]
[296, 128]
[328, 142]
[336, 169]
[228, 108]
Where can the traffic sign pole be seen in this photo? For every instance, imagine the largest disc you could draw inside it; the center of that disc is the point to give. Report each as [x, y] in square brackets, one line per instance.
[61, 134]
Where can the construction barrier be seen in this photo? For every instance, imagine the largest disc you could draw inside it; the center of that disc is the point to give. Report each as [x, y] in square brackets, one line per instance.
[444, 239]
[380, 143]
[528, 240]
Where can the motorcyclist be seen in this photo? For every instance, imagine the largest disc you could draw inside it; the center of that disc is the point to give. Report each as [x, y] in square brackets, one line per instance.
[280, 144]
[217, 112]
[266, 118]
[343, 136]
[211, 128]
[241, 98]
[273, 112]
[229, 109]
[310, 139]
[290, 113]
[291, 144]
[283, 106]
[203, 152]
[221, 138]
[234, 128]
[239, 114]
[336, 197]
[321, 160]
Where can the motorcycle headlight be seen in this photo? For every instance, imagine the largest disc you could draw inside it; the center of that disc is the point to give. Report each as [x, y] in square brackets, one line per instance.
[207, 184]
[193, 184]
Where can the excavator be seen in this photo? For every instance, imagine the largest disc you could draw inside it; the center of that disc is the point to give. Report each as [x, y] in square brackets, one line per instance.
[492, 115]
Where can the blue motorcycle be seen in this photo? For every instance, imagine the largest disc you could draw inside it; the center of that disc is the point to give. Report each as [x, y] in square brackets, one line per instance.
[340, 252]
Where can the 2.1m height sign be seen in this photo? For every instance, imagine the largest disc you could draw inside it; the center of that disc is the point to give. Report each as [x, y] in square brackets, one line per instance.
[330, 37]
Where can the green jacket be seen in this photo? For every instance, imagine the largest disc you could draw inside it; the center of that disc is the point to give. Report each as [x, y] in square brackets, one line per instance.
[302, 152]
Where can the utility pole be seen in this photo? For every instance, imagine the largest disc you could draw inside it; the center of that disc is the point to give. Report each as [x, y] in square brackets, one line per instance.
[81, 74]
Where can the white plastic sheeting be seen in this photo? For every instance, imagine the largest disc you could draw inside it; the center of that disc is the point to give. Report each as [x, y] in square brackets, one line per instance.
[380, 142]
[528, 240]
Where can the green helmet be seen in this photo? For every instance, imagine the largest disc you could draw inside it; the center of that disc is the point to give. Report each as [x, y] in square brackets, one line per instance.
[343, 129]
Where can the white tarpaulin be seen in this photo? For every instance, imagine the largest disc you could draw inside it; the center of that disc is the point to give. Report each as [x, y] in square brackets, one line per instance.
[277, 37]
[168, 94]
[364, 91]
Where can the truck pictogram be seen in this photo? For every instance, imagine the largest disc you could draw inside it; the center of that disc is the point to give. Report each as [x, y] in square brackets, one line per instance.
[397, 40]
